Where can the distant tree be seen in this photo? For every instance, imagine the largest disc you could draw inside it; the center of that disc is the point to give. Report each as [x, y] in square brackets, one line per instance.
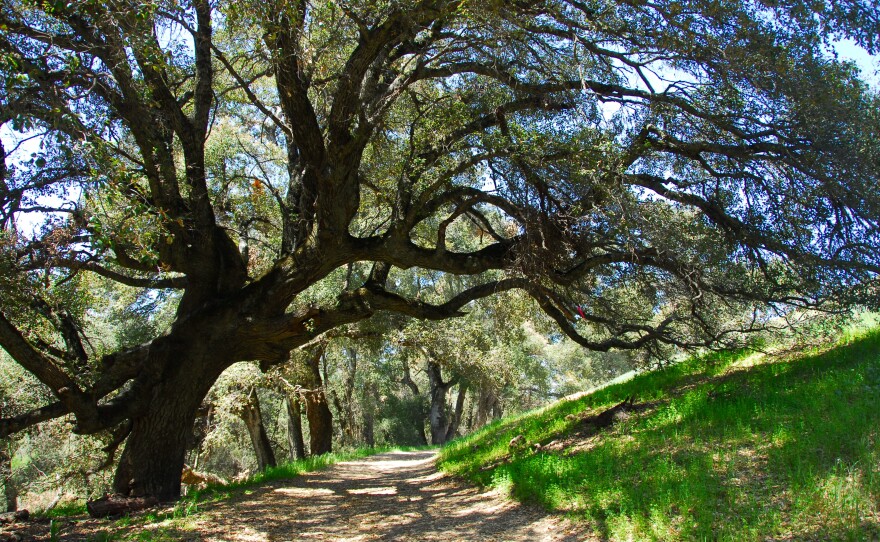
[658, 173]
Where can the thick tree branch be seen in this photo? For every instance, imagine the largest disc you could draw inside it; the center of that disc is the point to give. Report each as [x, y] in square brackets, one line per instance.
[14, 424]
[45, 369]
[137, 282]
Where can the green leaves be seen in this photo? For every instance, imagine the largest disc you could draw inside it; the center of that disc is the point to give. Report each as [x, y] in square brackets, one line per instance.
[683, 170]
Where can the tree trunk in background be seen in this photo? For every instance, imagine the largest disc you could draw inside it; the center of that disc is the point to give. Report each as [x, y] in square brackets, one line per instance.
[456, 414]
[201, 427]
[423, 437]
[486, 405]
[294, 428]
[369, 407]
[253, 419]
[410, 383]
[318, 411]
[11, 494]
[344, 427]
[437, 418]
[320, 423]
[497, 409]
[346, 410]
[9, 490]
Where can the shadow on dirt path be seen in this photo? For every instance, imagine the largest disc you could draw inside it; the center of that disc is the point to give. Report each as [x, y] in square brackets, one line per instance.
[391, 496]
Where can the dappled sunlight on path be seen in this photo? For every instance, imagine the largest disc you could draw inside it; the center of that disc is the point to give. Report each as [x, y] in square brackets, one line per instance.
[391, 496]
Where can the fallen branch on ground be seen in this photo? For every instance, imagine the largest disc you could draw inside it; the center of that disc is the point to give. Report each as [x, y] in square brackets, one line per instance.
[117, 505]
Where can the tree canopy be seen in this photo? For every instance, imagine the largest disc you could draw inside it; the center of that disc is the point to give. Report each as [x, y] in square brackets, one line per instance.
[670, 173]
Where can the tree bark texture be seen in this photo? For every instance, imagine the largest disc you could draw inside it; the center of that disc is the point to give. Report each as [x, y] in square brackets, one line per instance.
[369, 408]
[154, 454]
[318, 412]
[9, 490]
[252, 416]
[320, 423]
[486, 406]
[345, 407]
[294, 428]
[155, 451]
[437, 416]
[455, 422]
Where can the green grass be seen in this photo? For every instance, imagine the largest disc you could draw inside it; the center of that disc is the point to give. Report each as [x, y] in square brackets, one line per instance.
[733, 449]
[63, 510]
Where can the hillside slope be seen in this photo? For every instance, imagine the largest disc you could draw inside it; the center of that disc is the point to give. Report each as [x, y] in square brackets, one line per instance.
[727, 447]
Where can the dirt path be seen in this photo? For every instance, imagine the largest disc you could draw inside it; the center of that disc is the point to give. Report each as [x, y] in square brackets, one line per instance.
[392, 496]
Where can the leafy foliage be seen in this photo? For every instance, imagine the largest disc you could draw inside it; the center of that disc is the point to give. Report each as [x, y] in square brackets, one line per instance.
[653, 176]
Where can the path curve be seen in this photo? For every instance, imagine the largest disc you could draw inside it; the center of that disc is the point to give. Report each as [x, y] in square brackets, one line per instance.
[390, 496]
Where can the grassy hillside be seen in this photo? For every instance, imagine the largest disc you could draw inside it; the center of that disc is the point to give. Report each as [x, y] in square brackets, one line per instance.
[728, 447]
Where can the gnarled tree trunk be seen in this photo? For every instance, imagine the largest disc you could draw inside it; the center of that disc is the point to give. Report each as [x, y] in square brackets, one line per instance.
[320, 422]
[154, 453]
[486, 406]
[153, 457]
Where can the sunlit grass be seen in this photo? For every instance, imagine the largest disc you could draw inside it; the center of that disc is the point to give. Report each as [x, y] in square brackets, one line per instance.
[63, 509]
[732, 449]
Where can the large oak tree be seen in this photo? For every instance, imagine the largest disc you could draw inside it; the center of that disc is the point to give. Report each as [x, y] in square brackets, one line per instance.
[672, 172]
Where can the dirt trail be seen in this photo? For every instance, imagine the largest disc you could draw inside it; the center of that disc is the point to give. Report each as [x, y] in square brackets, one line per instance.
[391, 496]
